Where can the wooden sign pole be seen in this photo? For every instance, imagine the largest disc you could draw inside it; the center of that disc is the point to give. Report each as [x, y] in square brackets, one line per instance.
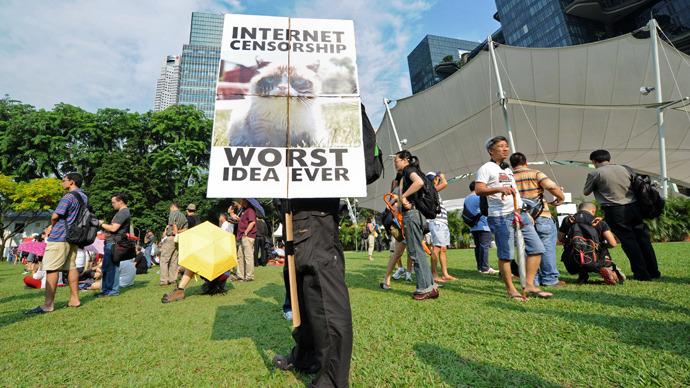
[292, 273]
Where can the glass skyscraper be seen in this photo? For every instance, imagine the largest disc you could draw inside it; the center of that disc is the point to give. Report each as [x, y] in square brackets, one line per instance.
[200, 61]
[555, 23]
[429, 53]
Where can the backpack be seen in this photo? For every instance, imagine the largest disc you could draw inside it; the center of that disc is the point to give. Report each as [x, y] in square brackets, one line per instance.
[583, 251]
[373, 156]
[365, 232]
[470, 219]
[427, 200]
[83, 230]
[649, 201]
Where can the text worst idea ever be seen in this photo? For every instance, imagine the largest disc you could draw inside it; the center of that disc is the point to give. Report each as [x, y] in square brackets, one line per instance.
[261, 164]
[281, 39]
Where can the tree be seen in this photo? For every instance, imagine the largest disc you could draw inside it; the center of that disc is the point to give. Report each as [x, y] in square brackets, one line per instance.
[26, 201]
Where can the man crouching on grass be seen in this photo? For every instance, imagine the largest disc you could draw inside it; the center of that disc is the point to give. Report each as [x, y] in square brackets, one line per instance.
[495, 181]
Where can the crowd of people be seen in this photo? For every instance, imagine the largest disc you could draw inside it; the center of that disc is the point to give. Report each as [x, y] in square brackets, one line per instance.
[502, 197]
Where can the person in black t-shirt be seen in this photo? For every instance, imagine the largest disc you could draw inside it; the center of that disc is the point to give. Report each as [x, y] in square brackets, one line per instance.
[140, 262]
[192, 219]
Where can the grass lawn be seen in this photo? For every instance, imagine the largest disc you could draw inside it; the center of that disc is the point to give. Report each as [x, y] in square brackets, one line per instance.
[637, 334]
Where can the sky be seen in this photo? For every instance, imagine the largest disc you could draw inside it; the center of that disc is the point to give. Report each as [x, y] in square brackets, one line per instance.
[108, 54]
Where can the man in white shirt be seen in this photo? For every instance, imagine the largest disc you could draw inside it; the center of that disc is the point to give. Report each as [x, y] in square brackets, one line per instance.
[495, 181]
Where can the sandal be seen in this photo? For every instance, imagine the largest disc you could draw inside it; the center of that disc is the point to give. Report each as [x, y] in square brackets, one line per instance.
[518, 298]
[385, 286]
[439, 280]
[450, 278]
[37, 310]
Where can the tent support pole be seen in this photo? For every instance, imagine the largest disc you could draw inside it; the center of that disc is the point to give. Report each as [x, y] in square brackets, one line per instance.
[395, 131]
[501, 94]
[660, 111]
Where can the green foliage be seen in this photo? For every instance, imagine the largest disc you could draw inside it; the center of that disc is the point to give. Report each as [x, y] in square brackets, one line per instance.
[154, 158]
[25, 200]
[459, 231]
[673, 223]
[447, 58]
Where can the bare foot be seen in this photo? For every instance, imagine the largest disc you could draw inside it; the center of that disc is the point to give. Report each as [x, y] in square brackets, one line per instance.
[439, 280]
[448, 277]
[518, 298]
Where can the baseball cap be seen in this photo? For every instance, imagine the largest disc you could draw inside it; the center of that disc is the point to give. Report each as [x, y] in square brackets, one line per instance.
[431, 175]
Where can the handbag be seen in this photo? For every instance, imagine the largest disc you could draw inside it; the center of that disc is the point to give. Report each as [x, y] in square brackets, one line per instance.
[123, 250]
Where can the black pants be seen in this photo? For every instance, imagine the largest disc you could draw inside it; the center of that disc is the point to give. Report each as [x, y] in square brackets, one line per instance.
[325, 335]
[627, 224]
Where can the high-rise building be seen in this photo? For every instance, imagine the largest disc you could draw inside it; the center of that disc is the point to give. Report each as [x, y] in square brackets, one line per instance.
[429, 53]
[200, 61]
[168, 85]
[555, 23]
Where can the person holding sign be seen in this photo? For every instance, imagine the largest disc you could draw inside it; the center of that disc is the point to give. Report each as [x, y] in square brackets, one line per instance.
[323, 340]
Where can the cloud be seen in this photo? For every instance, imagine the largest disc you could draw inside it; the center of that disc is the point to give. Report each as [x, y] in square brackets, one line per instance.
[383, 32]
[92, 54]
[96, 54]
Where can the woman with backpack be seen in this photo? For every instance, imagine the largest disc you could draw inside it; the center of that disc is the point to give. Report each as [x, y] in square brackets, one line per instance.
[413, 222]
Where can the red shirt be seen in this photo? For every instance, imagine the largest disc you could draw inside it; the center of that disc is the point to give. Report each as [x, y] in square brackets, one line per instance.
[248, 216]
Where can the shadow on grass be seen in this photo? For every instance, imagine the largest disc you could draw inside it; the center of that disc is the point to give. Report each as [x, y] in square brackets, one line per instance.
[272, 290]
[458, 371]
[18, 314]
[252, 320]
[669, 336]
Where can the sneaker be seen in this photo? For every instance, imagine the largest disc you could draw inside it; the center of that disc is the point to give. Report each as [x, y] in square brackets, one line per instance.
[489, 271]
[25, 272]
[408, 276]
[287, 315]
[620, 275]
[173, 296]
[399, 273]
[608, 275]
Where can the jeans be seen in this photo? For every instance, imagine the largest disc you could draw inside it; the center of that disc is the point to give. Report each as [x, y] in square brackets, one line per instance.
[147, 253]
[547, 274]
[503, 230]
[482, 243]
[627, 224]
[111, 272]
[413, 221]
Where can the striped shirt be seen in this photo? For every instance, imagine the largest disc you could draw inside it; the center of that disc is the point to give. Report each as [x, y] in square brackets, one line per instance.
[67, 211]
[443, 216]
[532, 183]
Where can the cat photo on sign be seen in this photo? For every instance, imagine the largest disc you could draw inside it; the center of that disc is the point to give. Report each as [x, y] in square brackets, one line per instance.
[278, 92]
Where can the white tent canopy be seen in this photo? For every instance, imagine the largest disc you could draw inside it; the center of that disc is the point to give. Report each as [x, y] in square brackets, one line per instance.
[572, 99]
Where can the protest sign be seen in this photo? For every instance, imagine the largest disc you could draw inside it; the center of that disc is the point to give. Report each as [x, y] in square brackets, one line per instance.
[287, 116]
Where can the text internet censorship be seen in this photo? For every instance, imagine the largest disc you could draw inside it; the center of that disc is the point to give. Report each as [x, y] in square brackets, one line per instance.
[272, 39]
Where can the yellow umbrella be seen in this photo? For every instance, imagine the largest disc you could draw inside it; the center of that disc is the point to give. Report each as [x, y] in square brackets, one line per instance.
[207, 250]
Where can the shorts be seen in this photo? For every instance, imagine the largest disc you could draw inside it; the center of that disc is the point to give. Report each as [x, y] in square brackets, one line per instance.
[440, 234]
[502, 228]
[59, 256]
[427, 238]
